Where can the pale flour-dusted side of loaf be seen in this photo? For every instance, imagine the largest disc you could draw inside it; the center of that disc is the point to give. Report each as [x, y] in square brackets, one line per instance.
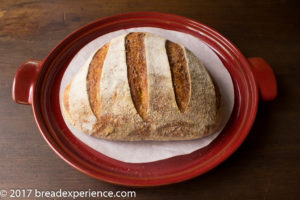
[140, 86]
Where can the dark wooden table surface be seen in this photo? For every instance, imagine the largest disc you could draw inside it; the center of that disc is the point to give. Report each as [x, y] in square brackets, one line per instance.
[266, 166]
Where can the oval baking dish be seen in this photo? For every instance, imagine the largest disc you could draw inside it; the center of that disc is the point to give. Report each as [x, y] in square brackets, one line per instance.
[37, 83]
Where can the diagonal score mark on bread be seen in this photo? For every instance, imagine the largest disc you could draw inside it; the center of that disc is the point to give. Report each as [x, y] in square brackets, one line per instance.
[93, 80]
[180, 74]
[137, 71]
[163, 93]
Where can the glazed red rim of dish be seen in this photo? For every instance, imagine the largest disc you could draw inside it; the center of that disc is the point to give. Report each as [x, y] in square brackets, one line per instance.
[43, 93]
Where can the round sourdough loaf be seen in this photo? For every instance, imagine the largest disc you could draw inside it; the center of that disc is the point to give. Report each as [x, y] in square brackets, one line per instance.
[140, 86]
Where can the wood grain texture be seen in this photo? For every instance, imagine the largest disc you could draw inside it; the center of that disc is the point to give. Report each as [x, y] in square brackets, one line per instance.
[266, 166]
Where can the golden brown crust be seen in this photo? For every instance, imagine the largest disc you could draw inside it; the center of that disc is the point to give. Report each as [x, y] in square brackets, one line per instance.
[66, 98]
[217, 93]
[137, 71]
[93, 80]
[159, 91]
[180, 74]
[66, 103]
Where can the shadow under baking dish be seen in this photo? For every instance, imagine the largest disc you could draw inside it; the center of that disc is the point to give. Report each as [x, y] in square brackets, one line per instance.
[55, 131]
[149, 151]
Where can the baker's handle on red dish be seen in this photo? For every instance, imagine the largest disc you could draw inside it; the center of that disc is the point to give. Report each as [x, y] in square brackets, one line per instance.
[265, 78]
[24, 82]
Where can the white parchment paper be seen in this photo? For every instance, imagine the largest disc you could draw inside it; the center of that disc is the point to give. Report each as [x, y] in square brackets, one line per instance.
[148, 151]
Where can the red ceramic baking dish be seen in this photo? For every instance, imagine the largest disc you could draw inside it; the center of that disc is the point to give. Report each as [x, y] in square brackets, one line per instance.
[37, 83]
